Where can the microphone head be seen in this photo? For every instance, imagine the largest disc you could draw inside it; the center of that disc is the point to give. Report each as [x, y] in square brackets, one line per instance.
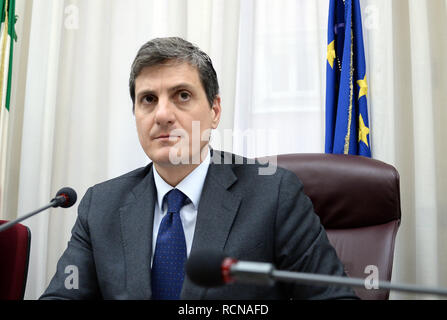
[70, 197]
[204, 268]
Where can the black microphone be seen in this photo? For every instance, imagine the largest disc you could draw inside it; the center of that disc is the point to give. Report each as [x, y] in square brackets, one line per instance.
[209, 268]
[204, 268]
[65, 198]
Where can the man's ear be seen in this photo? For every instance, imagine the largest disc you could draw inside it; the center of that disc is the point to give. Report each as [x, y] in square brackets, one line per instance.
[216, 112]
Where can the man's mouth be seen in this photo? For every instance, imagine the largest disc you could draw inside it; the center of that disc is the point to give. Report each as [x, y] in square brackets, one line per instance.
[166, 137]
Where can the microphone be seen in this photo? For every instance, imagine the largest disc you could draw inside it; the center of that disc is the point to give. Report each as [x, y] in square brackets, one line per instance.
[65, 198]
[209, 268]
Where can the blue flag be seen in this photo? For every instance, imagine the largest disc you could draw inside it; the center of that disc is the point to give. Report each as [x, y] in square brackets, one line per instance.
[347, 124]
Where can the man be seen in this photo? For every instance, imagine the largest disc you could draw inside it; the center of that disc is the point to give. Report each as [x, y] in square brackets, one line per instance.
[134, 233]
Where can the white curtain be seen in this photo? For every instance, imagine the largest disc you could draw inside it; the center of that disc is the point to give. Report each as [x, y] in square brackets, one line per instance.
[74, 124]
[280, 92]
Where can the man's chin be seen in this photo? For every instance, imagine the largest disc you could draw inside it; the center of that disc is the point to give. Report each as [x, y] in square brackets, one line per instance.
[176, 158]
[162, 161]
[178, 155]
[170, 157]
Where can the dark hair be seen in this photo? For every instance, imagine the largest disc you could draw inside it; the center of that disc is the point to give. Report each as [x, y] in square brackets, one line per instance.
[162, 50]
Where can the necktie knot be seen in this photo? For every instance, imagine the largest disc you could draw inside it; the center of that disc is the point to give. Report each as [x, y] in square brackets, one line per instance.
[175, 200]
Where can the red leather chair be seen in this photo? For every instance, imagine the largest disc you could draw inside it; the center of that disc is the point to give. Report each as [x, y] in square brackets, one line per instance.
[14, 254]
[358, 202]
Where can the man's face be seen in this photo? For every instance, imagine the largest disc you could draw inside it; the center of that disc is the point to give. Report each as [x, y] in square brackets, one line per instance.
[172, 113]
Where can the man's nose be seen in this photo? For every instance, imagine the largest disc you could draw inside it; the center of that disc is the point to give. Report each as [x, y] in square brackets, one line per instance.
[165, 114]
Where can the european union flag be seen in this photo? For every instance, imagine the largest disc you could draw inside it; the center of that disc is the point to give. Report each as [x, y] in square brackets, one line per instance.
[347, 125]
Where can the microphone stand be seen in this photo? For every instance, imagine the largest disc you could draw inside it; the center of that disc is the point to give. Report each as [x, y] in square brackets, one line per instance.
[53, 203]
[306, 278]
[266, 274]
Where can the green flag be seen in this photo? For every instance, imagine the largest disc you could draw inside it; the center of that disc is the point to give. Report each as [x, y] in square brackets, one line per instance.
[7, 36]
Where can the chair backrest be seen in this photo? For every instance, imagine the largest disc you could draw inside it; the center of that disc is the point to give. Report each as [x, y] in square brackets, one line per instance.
[14, 254]
[358, 202]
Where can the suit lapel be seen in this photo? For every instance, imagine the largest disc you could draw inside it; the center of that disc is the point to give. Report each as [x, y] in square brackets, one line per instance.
[137, 217]
[217, 210]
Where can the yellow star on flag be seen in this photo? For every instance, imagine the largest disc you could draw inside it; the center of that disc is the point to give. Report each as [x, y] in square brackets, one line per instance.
[363, 87]
[363, 131]
[331, 53]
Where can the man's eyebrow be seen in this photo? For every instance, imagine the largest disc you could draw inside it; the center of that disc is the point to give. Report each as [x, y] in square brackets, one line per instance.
[177, 87]
[180, 86]
[145, 92]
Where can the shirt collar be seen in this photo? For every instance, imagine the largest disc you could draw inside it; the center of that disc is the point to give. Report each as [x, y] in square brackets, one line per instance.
[191, 185]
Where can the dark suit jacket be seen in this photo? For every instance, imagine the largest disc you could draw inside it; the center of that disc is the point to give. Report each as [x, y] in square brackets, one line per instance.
[248, 216]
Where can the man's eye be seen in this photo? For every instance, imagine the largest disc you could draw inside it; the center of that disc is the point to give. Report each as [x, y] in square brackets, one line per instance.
[148, 99]
[184, 96]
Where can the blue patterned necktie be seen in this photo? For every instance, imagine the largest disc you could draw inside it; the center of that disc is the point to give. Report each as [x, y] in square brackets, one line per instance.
[168, 269]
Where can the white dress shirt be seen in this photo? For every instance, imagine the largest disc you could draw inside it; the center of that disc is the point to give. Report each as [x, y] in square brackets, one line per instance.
[191, 186]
